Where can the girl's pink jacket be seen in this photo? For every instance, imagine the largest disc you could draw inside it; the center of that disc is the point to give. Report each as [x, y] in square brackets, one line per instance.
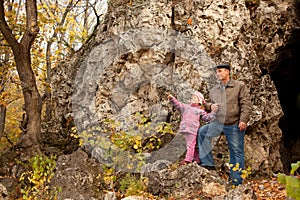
[190, 116]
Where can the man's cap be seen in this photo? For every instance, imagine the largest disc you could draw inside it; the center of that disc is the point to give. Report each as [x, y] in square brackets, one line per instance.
[226, 66]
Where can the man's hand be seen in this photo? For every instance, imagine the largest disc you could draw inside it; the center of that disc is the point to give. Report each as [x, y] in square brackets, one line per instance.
[214, 107]
[242, 126]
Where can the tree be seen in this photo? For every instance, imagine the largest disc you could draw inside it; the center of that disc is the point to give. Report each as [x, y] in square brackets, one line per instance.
[10, 99]
[36, 48]
[21, 50]
[4, 79]
[64, 27]
[2, 103]
[2, 118]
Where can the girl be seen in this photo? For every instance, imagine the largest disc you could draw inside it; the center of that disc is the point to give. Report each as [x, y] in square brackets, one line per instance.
[190, 123]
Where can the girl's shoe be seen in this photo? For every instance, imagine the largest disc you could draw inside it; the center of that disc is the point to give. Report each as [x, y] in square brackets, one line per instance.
[184, 162]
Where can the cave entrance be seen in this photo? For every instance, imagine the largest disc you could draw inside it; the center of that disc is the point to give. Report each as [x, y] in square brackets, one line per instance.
[287, 81]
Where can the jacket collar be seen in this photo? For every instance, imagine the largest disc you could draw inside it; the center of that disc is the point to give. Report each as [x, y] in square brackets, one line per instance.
[229, 84]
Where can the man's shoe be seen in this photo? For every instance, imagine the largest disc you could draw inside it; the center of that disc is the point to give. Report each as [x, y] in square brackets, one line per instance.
[208, 167]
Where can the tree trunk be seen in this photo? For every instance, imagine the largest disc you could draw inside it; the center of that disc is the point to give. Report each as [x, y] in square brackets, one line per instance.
[33, 103]
[2, 119]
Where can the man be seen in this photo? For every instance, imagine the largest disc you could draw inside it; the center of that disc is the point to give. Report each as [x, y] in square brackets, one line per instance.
[233, 99]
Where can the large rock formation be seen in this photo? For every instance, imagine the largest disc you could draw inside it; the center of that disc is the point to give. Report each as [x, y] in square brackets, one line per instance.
[147, 49]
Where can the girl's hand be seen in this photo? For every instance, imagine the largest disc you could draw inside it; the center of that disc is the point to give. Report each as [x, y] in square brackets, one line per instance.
[170, 96]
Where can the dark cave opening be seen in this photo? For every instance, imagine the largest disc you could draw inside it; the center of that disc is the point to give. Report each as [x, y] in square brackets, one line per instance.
[287, 81]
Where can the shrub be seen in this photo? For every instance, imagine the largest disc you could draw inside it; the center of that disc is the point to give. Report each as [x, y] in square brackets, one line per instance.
[35, 181]
[291, 182]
